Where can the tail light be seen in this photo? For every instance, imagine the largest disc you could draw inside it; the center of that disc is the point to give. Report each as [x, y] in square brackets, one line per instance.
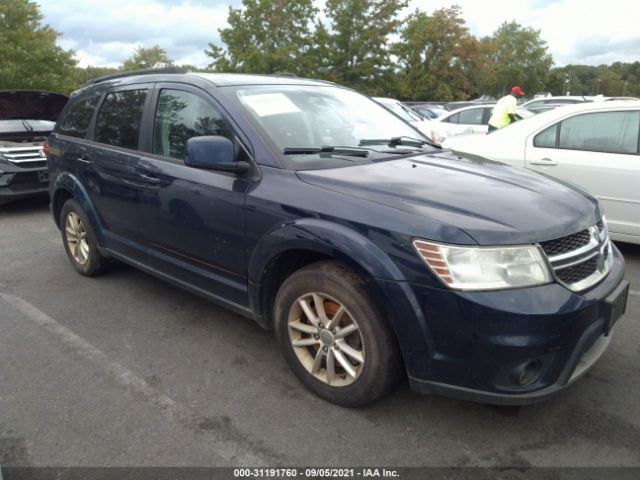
[45, 148]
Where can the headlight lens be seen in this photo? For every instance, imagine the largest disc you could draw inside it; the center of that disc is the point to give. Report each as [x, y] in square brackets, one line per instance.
[485, 268]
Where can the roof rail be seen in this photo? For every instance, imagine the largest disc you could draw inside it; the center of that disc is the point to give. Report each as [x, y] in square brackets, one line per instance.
[130, 73]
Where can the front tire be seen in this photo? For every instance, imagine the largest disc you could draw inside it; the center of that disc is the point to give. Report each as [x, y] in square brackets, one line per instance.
[80, 241]
[333, 335]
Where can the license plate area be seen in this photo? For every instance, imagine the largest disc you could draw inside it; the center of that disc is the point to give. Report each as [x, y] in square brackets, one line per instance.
[43, 177]
[615, 305]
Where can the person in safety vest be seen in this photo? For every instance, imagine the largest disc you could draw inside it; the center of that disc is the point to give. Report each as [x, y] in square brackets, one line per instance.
[504, 112]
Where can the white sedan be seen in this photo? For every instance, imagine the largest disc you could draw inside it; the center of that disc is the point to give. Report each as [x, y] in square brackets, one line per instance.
[466, 121]
[593, 145]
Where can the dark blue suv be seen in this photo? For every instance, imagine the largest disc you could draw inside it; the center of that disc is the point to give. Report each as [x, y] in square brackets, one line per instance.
[313, 210]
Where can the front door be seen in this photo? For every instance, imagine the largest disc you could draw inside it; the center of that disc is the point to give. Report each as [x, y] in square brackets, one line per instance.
[195, 217]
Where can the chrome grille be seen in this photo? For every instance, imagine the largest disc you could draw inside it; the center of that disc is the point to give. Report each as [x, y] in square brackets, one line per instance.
[580, 260]
[566, 244]
[25, 157]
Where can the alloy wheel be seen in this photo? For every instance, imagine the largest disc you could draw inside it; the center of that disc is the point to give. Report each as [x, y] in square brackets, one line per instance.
[76, 235]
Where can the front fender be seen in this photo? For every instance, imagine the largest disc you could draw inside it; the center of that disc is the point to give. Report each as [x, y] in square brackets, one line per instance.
[68, 182]
[351, 248]
[332, 239]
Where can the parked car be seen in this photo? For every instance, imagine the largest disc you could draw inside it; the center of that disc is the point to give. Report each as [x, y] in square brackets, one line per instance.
[538, 105]
[594, 145]
[26, 119]
[451, 106]
[404, 112]
[315, 211]
[466, 121]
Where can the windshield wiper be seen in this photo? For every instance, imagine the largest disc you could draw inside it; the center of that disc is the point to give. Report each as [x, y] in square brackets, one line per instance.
[348, 151]
[27, 126]
[395, 141]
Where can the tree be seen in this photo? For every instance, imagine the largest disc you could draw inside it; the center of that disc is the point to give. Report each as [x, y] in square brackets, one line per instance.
[437, 56]
[152, 57]
[29, 56]
[266, 36]
[520, 57]
[358, 40]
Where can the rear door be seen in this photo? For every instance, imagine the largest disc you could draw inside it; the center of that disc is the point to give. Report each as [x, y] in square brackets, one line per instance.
[599, 152]
[109, 167]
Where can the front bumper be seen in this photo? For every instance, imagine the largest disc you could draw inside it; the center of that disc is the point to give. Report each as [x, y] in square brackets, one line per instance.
[17, 183]
[507, 347]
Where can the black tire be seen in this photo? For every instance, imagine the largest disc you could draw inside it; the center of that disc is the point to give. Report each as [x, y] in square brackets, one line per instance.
[95, 263]
[382, 364]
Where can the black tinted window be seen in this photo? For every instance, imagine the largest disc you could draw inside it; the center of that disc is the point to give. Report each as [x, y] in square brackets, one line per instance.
[118, 121]
[181, 115]
[615, 132]
[546, 138]
[76, 121]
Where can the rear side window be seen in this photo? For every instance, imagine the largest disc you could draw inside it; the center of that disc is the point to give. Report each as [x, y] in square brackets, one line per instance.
[181, 115]
[615, 132]
[118, 121]
[78, 116]
[452, 119]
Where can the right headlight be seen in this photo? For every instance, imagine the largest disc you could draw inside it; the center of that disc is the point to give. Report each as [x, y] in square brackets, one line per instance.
[485, 268]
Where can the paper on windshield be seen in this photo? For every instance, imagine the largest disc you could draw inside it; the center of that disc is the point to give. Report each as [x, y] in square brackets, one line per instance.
[270, 104]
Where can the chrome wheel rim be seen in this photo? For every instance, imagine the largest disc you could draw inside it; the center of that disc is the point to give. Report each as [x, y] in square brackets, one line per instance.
[76, 235]
[326, 339]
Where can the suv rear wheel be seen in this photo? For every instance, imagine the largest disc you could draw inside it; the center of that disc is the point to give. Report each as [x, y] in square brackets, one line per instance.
[334, 336]
[80, 241]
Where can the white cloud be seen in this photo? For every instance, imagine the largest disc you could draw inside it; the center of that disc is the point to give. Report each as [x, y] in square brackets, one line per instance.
[106, 33]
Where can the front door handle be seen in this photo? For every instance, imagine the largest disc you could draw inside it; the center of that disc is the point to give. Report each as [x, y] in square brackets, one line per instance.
[83, 159]
[544, 161]
[152, 180]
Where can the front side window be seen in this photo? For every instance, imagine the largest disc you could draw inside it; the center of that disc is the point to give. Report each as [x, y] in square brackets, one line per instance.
[76, 121]
[181, 115]
[118, 121]
[471, 117]
[615, 132]
[452, 118]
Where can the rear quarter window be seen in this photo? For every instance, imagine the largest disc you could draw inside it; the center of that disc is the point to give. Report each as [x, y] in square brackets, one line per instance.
[76, 121]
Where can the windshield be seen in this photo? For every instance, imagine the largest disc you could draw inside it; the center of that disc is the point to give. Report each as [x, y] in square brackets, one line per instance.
[299, 119]
[400, 110]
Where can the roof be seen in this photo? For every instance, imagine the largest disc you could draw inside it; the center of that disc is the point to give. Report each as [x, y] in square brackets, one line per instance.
[229, 79]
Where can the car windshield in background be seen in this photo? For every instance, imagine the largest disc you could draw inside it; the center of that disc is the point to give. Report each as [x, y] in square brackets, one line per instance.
[316, 127]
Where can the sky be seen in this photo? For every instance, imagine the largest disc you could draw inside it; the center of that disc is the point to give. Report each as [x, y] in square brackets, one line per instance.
[105, 33]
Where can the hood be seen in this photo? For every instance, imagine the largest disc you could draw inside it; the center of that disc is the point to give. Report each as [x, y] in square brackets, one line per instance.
[493, 203]
[31, 105]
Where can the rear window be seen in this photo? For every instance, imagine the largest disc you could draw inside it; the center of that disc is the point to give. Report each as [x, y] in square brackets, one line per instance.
[76, 121]
[118, 121]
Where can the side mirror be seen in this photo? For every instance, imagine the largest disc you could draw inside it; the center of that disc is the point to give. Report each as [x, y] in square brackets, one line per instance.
[213, 153]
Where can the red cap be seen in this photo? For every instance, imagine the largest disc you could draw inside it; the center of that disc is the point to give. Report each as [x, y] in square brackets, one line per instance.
[517, 91]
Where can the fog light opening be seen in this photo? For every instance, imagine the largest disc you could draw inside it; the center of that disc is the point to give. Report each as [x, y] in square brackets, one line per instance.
[527, 373]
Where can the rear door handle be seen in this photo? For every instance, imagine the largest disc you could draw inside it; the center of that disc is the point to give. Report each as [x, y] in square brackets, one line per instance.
[544, 161]
[83, 159]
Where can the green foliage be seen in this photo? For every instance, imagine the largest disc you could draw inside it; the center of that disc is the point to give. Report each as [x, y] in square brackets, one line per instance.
[357, 43]
[152, 57]
[29, 56]
[519, 56]
[437, 56]
[266, 36]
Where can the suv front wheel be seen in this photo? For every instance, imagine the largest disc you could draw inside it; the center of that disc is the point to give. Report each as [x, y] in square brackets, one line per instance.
[334, 336]
[80, 241]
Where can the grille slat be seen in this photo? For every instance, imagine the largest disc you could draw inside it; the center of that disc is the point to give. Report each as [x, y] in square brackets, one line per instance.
[577, 272]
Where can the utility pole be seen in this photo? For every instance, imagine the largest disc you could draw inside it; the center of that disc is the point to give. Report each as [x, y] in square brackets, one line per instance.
[598, 86]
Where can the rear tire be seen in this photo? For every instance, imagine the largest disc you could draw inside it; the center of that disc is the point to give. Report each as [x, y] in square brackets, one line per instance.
[80, 241]
[334, 336]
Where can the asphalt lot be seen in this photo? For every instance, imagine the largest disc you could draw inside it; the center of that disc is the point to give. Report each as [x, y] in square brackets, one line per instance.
[127, 370]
